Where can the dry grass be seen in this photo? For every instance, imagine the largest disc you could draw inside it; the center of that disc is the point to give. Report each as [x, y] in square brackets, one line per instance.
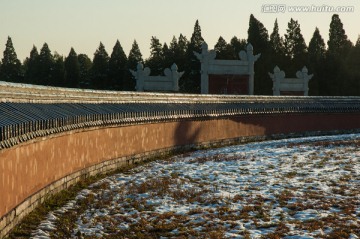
[175, 204]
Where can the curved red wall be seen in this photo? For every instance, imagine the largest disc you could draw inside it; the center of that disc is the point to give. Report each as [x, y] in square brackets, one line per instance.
[30, 167]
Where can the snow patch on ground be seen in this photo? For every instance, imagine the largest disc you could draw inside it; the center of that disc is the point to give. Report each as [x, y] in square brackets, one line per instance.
[295, 188]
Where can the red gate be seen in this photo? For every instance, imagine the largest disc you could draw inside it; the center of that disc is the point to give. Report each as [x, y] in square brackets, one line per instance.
[229, 84]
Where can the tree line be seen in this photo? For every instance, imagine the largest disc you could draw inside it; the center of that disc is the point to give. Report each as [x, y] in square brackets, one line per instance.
[335, 65]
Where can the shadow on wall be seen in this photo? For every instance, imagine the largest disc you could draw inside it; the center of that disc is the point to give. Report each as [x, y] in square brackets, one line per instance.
[186, 133]
[268, 125]
[301, 123]
[279, 124]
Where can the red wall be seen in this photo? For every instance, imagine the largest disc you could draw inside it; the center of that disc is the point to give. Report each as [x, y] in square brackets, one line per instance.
[31, 166]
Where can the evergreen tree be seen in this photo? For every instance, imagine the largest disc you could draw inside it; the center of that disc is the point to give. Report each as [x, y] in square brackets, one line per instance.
[295, 47]
[337, 77]
[196, 40]
[276, 41]
[155, 47]
[72, 70]
[46, 66]
[332, 77]
[167, 57]
[178, 51]
[117, 67]
[32, 67]
[316, 50]
[171, 53]
[258, 36]
[237, 45]
[357, 44]
[134, 58]
[182, 44]
[223, 50]
[352, 63]
[173, 44]
[155, 61]
[277, 48]
[100, 69]
[85, 66]
[338, 42]
[294, 41]
[351, 80]
[58, 75]
[190, 82]
[11, 66]
[316, 58]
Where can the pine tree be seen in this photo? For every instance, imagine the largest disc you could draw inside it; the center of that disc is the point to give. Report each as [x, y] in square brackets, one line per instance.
[337, 77]
[46, 66]
[100, 69]
[338, 42]
[173, 47]
[276, 41]
[237, 45]
[196, 40]
[258, 36]
[220, 47]
[134, 58]
[316, 48]
[332, 76]
[155, 60]
[182, 44]
[72, 70]
[176, 53]
[32, 67]
[352, 63]
[85, 66]
[294, 40]
[277, 48]
[11, 69]
[155, 48]
[58, 76]
[316, 58]
[295, 47]
[179, 52]
[223, 50]
[190, 82]
[171, 55]
[167, 57]
[357, 44]
[117, 67]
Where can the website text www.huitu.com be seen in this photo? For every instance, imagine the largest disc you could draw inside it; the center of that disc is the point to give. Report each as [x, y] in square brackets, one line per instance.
[282, 8]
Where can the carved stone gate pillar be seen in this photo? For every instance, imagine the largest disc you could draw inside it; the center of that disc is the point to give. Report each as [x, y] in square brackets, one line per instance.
[251, 59]
[204, 58]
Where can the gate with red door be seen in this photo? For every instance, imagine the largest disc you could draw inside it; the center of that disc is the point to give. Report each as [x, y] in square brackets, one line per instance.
[227, 76]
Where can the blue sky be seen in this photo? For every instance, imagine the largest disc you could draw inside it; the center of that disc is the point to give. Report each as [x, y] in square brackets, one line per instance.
[82, 24]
